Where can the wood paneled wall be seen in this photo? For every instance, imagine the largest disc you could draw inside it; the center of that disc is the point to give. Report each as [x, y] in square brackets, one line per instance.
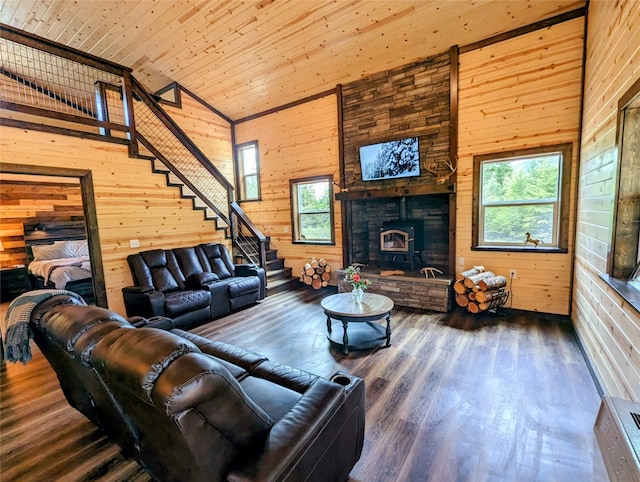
[207, 130]
[519, 93]
[31, 199]
[298, 142]
[608, 327]
[131, 201]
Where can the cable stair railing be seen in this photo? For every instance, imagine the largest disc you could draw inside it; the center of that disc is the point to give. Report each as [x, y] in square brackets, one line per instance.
[48, 83]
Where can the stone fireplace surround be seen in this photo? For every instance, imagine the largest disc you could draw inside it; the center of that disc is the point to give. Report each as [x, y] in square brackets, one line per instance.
[367, 217]
[413, 289]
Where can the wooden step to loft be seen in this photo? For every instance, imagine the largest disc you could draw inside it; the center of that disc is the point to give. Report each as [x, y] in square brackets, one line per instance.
[280, 280]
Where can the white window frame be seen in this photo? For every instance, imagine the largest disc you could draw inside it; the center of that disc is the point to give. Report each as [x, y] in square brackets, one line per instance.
[241, 173]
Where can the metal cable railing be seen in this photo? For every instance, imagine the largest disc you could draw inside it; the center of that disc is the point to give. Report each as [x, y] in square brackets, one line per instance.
[248, 240]
[43, 83]
[74, 93]
[169, 144]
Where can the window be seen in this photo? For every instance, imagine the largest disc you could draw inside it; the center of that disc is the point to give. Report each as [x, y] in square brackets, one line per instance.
[521, 199]
[312, 210]
[248, 172]
[626, 235]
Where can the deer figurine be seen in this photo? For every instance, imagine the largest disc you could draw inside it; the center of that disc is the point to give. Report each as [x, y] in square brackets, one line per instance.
[531, 240]
[452, 164]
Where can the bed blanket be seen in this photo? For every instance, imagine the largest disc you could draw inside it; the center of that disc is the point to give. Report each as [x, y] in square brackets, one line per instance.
[16, 331]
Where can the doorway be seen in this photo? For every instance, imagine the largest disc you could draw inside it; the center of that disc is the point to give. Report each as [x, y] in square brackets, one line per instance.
[88, 202]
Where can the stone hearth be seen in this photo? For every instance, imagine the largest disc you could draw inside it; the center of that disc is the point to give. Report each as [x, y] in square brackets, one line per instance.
[408, 290]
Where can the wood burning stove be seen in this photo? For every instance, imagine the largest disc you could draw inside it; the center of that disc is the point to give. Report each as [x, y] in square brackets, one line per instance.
[401, 242]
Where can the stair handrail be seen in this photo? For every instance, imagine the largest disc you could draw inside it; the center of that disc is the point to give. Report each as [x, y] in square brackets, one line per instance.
[160, 113]
[242, 220]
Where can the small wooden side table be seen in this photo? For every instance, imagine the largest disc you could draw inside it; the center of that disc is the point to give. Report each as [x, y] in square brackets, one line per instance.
[363, 333]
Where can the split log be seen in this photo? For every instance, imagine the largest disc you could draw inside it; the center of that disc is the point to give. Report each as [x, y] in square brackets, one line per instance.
[462, 300]
[470, 272]
[391, 272]
[492, 283]
[484, 296]
[471, 281]
[473, 307]
[459, 287]
[316, 273]
[472, 296]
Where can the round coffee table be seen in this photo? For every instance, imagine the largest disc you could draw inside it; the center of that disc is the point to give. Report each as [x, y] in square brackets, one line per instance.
[363, 333]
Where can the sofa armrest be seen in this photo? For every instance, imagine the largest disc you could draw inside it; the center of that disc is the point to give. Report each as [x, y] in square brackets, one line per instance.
[245, 270]
[201, 281]
[245, 359]
[138, 290]
[143, 301]
[320, 438]
[160, 322]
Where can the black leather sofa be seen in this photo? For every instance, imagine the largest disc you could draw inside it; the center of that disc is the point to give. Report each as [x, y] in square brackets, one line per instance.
[193, 409]
[191, 285]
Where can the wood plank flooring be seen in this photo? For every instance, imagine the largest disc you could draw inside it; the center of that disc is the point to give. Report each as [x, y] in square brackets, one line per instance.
[455, 398]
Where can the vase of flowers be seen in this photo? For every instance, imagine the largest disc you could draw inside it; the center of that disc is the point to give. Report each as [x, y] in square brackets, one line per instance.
[352, 275]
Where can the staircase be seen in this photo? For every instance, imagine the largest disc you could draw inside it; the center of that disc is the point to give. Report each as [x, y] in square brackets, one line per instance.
[116, 107]
[279, 278]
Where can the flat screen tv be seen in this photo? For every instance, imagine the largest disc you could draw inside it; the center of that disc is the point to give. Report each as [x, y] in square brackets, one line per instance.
[390, 160]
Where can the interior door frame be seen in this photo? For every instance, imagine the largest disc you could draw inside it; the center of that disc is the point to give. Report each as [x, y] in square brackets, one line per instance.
[91, 218]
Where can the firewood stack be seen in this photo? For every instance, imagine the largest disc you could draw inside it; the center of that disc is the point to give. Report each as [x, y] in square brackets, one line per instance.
[316, 273]
[478, 290]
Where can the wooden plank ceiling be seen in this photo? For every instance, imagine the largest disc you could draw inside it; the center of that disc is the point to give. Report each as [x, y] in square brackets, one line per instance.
[244, 57]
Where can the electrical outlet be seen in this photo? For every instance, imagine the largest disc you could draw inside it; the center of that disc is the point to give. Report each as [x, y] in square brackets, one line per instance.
[134, 243]
[460, 261]
[513, 274]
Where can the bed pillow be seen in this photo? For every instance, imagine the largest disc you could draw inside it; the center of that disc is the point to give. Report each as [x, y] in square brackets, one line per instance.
[59, 249]
[79, 248]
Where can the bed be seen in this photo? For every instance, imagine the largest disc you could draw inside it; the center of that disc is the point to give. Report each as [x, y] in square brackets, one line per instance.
[58, 255]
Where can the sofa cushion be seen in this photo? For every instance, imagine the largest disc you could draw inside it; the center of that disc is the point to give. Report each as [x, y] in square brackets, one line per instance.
[161, 276]
[219, 260]
[181, 302]
[243, 286]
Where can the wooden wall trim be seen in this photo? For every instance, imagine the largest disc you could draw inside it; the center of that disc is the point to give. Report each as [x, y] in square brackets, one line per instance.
[579, 12]
[575, 194]
[91, 217]
[453, 149]
[204, 103]
[295, 103]
[346, 207]
[34, 126]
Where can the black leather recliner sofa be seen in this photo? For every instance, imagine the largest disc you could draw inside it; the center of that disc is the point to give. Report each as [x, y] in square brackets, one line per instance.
[191, 285]
[193, 409]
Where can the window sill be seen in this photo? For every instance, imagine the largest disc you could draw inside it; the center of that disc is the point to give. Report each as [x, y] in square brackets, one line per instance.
[523, 249]
[323, 243]
[630, 294]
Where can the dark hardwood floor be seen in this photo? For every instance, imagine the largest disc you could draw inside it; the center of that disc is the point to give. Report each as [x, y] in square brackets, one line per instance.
[455, 398]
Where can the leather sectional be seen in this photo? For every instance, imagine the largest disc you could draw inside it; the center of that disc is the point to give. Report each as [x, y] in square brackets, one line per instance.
[193, 409]
[191, 285]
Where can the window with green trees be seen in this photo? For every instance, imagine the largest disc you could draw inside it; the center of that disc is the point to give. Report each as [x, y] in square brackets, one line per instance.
[248, 172]
[522, 195]
[312, 210]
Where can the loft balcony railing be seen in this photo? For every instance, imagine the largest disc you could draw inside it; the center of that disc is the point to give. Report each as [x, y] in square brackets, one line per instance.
[49, 87]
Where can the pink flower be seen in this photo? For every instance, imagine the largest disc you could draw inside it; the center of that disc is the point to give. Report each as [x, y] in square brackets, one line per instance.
[356, 278]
